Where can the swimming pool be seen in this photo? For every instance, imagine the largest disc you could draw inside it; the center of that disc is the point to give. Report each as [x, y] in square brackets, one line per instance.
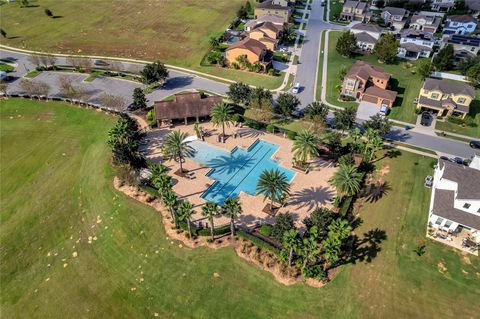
[236, 171]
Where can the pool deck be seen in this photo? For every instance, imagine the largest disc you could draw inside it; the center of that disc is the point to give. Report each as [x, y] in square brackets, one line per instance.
[307, 191]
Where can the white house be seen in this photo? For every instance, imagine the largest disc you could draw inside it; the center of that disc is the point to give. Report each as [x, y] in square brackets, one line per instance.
[442, 5]
[396, 18]
[455, 200]
[460, 24]
[367, 35]
[414, 45]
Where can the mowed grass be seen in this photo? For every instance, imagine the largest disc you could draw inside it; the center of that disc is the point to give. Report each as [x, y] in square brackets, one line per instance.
[176, 32]
[404, 80]
[56, 189]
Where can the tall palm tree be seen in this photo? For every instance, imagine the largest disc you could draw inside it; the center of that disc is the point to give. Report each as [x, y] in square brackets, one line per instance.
[370, 134]
[222, 115]
[274, 185]
[232, 208]
[176, 148]
[211, 210]
[170, 200]
[347, 180]
[291, 241]
[341, 228]
[185, 211]
[305, 146]
[162, 182]
[375, 144]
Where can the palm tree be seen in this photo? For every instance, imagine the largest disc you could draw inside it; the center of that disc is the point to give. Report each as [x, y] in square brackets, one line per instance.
[341, 228]
[305, 146]
[222, 115]
[162, 182]
[210, 210]
[370, 134]
[186, 212]
[176, 148]
[309, 248]
[170, 200]
[291, 241]
[156, 169]
[347, 180]
[232, 209]
[273, 184]
[375, 144]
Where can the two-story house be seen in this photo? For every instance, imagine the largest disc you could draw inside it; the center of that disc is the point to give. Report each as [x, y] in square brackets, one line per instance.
[415, 44]
[442, 5]
[252, 24]
[252, 50]
[460, 24]
[368, 83]
[355, 11]
[455, 199]
[446, 98]
[425, 23]
[276, 7]
[463, 45]
[367, 35]
[395, 18]
[268, 34]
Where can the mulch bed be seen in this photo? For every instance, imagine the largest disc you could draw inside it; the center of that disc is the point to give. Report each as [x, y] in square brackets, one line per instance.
[272, 211]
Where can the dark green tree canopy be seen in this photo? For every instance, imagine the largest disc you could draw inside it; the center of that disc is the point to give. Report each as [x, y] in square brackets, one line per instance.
[239, 93]
[154, 72]
[386, 48]
[444, 58]
[286, 104]
[347, 44]
[378, 123]
[344, 119]
[139, 99]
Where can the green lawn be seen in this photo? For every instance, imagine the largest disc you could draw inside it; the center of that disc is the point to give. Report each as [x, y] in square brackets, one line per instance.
[6, 67]
[289, 84]
[404, 80]
[335, 9]
[467, 130]
[56, 188]
[318, 92]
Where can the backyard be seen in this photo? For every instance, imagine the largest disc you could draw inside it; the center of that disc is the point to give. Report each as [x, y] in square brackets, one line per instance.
[176, 32]
[404, 80]
[72, 246]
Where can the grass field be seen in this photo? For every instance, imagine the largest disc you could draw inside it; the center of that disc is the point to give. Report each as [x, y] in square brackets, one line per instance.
[175, 31]
[56, 189]
[404, 80]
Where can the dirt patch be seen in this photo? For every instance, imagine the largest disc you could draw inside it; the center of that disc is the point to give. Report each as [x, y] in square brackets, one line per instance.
[441, 268]
[466, 260]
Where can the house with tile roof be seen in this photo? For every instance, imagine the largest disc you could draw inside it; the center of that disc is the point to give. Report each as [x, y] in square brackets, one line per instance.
[250, 49]
[271, 18]
[268, 34]
[367, 36]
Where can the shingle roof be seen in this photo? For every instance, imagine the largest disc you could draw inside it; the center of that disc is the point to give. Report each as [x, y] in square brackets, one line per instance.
[381, 93]
[269, 5]
[449, 87]
[269, 26]
[355, 4]
[365, 37]
[464, 18]
[367, 27]
[467, 178]
[250, 44]
[395, 11]
[364, 71]
[473, 4]
[443, 207]
[273, 18]
[442, 104]
[415, 47]
[185, 105]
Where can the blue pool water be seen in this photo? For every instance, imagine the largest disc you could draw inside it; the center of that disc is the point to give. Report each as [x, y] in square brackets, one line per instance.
[236, 171]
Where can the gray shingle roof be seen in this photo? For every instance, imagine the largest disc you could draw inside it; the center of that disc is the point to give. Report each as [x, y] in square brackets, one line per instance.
[468, 179]
[443, 207]
[365, 37]
[395, 11]
[367, 27]
[449, 87]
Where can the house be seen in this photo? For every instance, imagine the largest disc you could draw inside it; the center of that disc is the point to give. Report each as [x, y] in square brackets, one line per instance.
[272, 18]
[253, 50]
[367, 35]
[446, 98]
[474, 7]
[274, 7]
[414, 45]
[425, 23]
[460, 24]
[355, 11]
[455, 201]
[463, 45]
[186, 105]
[442, 5]
[365, 82]
[396, 18]
[268, 34]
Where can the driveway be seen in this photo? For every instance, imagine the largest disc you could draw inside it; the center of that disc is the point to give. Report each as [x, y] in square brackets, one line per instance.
[367, 110]
[426, 129]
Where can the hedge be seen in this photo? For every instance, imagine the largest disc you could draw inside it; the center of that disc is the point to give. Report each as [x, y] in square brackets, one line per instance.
[260, 243]
[346, 205]
[225, 229]
[149, 189]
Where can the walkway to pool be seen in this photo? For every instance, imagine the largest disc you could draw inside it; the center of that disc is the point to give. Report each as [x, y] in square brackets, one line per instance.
[307, 191]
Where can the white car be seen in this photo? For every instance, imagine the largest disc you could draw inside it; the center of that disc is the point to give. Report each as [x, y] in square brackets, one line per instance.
[296, 88]
[283, 50]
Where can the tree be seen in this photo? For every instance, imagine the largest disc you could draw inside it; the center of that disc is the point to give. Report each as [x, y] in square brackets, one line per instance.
[260, 97]
[239, 93]
[242, 13]
[29, 87]
[233, 209]
[347, 44]
[221, 114]
[283, 223]
[48, 13]
[287, 103]
[273, 184]
[291, 241]
[43, 89]
[305, 147]
[211, 210]
[35, 60]
[124, 139]
[375, 145]
[24, 3]
[331, 250]
[346, 180]
[340, 228]
[345, 118]
[465, 64]
[248, 7]
[288, 33]
[369, 134]
[139, 99]
[473, 75]
[320, 218]
[425, 68]
[3, 33]
[214, 42]
[309, 249]
[176, 148]
[170, 200]
[444, 58]
[162, 182]
[155, 72]
[334, 142]
[386, 48]
[68, 90]
[185, 212]
[379, 123]
[317, 110]
[216, 57]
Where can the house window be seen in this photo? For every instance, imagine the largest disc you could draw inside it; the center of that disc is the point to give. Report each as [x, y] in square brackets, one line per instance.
[350, 83]
[439, 221]
[461, 100]
[434, 95]
[466, 205]
[448, 223]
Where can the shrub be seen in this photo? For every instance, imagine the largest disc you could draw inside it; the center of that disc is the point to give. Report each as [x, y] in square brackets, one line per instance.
[258, 242]
[283, 223]
[253, 124]
[265, 229]
[345, 205]
[292, 135]
[149, 115]
[270, 128]
[284, 254]
[455, 120]
[217, 231]
[312, 271]
[236, 118]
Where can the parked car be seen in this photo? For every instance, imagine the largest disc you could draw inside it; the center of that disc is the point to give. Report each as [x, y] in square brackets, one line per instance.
[426, 119]
[100, 63]
[475, 144]
[283, 50]
[445, 158]
[428, 181]
[296, 88]
[458, 160]
[384, 110]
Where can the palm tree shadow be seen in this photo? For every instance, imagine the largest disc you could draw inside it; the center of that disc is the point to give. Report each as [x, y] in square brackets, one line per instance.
[377, 191]
[311, 198]
[367, 248]
[227, 164]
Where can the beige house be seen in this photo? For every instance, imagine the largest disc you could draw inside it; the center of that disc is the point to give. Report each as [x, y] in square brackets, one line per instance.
[355, 11]
[253, 50]
[395, 18]
[272, 18]
[446, 98]
[425, 23]
[274, 7]
[267, 33]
